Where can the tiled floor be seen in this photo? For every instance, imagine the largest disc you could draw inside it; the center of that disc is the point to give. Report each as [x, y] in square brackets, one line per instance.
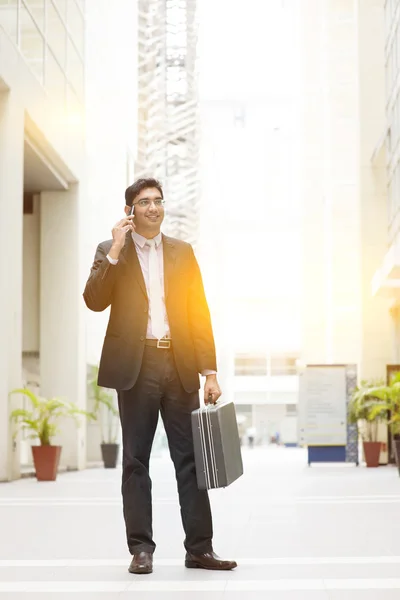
[297, 532]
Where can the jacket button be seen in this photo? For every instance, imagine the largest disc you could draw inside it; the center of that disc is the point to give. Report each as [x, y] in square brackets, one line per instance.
[142, 338]
[145, 310]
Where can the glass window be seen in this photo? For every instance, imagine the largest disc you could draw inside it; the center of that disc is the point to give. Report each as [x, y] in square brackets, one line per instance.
[81, 3]
[76, 25]
[56, 35]
[282, 364]
[36, 8]
[8, 17]
[176, 84]
[62, 7]
[74, 109]
[251, 364]
[32, 44]
[54, 78]
[75, 69]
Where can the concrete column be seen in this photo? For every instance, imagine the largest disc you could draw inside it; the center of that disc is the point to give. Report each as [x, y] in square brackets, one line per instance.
[11, 229]
[377, 349]
[331, 210]
[62, 329]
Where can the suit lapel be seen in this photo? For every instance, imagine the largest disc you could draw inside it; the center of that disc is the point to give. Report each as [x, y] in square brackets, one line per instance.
[169, 252]
[133, 261]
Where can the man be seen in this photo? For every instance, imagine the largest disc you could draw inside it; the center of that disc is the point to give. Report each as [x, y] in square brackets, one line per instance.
[159, 338]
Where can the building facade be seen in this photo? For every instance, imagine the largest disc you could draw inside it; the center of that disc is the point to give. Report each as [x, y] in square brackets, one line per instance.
[41, 193]
[67, 142]
[344, 186]
[343, 189]
[386, 280]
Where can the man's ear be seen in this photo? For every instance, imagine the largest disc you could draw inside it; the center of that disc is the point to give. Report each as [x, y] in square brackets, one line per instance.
[127, 209]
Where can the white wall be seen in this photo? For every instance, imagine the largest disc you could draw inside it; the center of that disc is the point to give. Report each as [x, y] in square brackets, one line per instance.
[111, 104]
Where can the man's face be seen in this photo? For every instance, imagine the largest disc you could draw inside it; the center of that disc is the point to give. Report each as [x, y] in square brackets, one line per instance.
[149, 212]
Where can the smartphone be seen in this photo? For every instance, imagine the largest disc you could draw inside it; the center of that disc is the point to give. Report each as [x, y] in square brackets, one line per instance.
[132, 211]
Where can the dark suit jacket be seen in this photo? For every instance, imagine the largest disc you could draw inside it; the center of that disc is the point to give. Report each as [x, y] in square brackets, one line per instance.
[122, 286]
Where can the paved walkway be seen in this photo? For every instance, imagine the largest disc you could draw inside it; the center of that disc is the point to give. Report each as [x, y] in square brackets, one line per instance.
[297, 532]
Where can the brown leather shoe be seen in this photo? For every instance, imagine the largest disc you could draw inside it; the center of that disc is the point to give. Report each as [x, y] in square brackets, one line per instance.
[210, 560]
[141, 563]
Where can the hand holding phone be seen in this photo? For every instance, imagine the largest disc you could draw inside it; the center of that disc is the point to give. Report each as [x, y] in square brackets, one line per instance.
[120, 230]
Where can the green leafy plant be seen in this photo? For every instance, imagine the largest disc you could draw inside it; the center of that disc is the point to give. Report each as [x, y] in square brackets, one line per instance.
[388, 398]
[42, 420]
[105, 411]
[367, 408]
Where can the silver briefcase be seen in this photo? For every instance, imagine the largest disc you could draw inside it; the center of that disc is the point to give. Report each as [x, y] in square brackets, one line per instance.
[216, 445]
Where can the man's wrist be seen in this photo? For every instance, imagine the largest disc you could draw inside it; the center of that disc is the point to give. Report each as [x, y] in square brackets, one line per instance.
[115, 251]
[208, 372]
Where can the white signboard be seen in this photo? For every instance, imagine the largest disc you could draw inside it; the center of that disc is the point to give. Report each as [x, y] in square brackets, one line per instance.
[322, 410]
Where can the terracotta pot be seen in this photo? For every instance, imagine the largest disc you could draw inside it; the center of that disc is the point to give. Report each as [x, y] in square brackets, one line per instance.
[46, 460]
[372, 452]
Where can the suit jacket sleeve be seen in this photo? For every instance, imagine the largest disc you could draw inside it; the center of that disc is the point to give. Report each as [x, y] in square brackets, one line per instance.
[99, 287]
[200, 320]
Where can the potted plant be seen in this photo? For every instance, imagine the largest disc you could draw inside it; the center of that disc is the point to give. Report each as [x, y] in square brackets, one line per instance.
[42, 423]
[368, 410]
[106, 413]
[389, 398]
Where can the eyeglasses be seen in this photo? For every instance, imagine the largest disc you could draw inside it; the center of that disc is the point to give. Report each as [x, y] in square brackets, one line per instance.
[145, 202]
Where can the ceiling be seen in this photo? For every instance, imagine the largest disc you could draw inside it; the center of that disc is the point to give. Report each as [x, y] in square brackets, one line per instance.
[39, 175]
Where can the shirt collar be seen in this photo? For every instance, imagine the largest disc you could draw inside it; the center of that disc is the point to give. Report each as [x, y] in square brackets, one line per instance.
[141, 241]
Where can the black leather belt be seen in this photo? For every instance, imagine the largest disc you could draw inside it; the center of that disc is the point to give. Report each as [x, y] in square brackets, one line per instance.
[163, 344]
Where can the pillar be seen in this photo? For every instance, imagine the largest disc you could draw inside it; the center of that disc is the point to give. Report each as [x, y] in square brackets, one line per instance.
[377, 349]
[11, 235]
[331, 208]
[62, 333]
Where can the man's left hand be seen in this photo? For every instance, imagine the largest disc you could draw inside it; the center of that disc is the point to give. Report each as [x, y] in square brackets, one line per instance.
[212, 391]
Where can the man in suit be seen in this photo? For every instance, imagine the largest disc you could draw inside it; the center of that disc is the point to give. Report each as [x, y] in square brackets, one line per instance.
[159, 339]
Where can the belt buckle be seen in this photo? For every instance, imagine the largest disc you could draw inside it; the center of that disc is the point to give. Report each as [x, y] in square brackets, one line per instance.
[164, 344]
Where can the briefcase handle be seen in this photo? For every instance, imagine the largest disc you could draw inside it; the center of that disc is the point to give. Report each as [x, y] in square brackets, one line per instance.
[205, 406]
[211, 405]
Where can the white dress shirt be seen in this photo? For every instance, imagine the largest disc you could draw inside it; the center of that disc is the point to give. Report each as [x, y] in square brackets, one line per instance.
[143, 252]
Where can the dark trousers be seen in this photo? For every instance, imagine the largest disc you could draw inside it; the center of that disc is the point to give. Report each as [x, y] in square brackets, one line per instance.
[158, 389]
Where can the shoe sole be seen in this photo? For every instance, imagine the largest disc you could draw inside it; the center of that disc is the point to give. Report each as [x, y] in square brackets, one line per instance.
[189, 564]
[141, 571]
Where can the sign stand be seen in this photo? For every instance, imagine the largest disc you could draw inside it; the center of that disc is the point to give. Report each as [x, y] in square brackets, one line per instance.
[324, 395]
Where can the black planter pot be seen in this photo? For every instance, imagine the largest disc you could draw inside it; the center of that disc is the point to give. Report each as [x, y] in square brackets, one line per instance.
[109, 453]
[396, 443]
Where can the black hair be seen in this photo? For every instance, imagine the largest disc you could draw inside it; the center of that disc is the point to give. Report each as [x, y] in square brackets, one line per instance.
[141, 184]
